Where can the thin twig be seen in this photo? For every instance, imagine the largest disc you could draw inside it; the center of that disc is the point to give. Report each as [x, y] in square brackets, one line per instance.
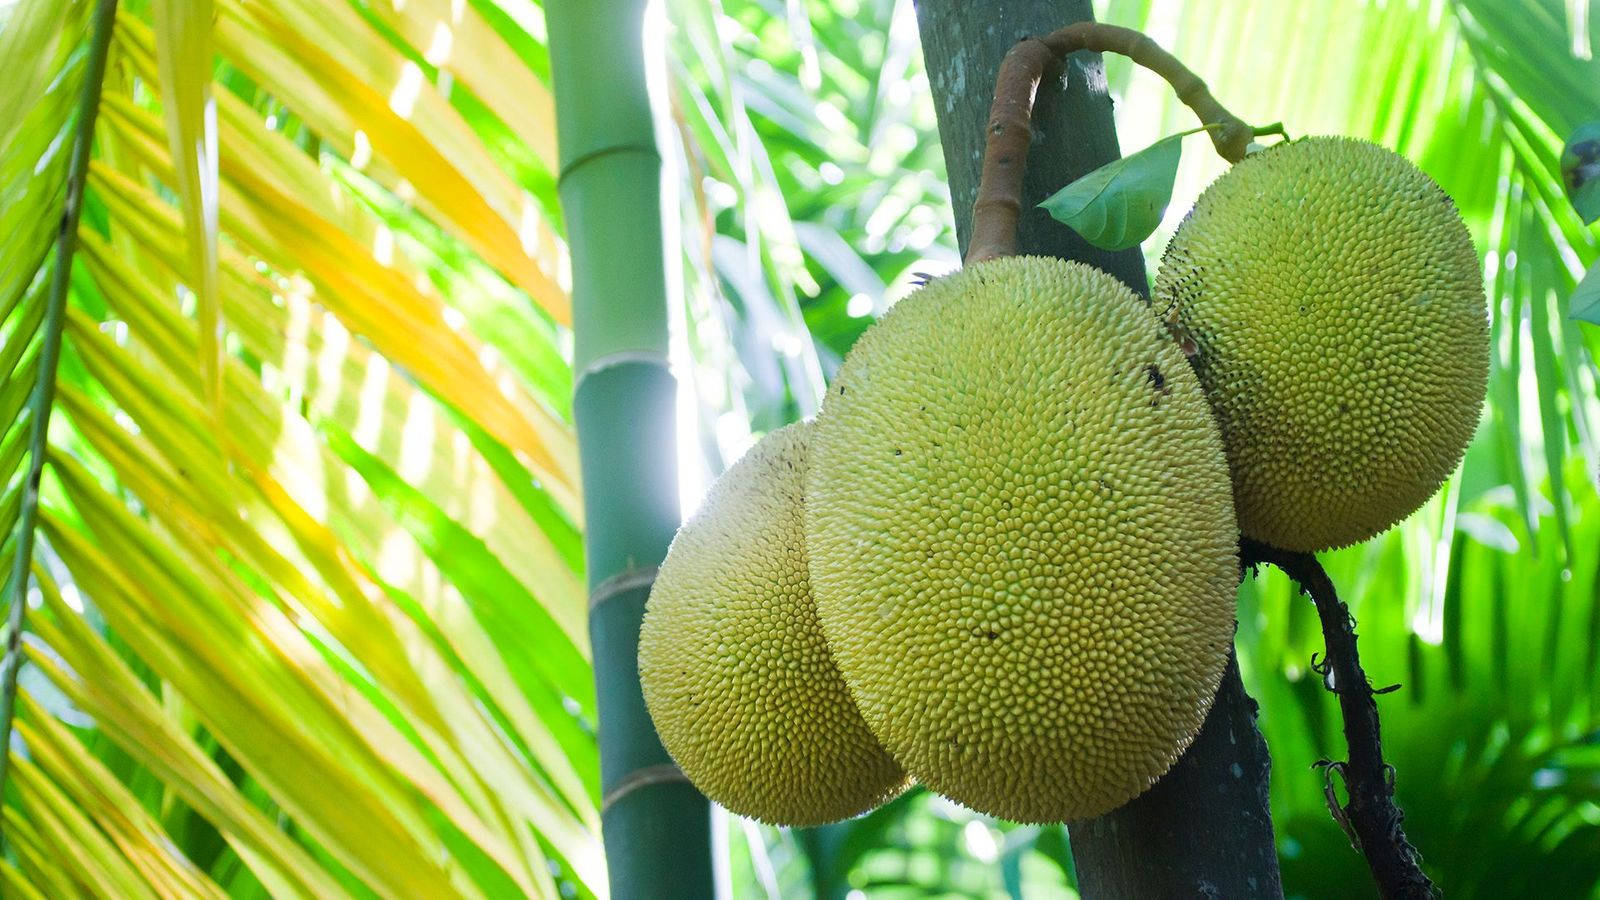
[44, 388]
[1229, 134]
[1370, 816]
[999, 203]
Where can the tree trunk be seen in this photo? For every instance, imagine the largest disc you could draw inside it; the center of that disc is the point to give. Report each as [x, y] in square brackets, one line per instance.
[657, 827]
[1205, 829]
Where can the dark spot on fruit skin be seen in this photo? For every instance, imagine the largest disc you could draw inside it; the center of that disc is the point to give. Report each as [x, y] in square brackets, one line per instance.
[1158, 383]
[991, 635]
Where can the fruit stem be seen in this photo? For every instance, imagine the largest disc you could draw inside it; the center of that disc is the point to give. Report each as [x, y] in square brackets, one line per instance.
[1005, 154]
[1370, 817]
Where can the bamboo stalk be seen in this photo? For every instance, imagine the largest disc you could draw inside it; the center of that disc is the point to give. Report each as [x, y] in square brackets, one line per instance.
[42, 399]
[655, 824]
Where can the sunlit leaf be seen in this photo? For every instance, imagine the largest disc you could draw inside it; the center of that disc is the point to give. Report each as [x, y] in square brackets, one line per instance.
[1120, 204]
[183, 50]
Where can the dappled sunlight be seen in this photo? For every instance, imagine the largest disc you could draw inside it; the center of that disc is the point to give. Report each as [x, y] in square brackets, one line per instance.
[243, 583]
[543, 245]
[386, 415]
[369, 411]
[1578, 13]
[438, 52]
[398, 560]
[338, 642]
[361, 154]
[383, 246]
[403, 99]
[417, 440]
[300, 470]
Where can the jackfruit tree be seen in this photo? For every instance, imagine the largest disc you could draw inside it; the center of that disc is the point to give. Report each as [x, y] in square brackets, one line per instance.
[1003, 556]
[295, 601]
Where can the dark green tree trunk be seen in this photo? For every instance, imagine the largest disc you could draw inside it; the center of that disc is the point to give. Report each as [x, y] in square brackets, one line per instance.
[1205, 829]
[656, 825]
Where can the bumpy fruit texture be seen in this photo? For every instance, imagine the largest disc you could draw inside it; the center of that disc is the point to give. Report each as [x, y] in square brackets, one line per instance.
[1334, 297]
[1022, 539]
[735, 672]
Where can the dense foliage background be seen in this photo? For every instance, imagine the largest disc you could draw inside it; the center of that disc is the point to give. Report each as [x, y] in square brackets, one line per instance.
[307, 616]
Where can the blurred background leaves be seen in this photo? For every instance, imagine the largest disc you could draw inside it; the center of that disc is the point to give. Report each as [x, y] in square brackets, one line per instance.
[326, 637]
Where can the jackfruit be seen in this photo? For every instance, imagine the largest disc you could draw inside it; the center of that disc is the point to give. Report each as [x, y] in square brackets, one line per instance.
[1336, 310]
[737, 678]
[1022, 539]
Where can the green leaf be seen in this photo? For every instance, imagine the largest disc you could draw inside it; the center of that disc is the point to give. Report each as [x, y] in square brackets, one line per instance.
[1119, 204]
[183, 54]
[1585, 305]
[1580, 170]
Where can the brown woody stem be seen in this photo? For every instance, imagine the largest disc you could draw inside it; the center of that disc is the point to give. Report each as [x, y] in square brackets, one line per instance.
[1005, 154]
[1370, 817]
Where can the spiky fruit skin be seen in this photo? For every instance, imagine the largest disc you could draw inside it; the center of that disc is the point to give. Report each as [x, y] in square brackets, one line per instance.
[1335, 302]
[1022, 539]
[737, 678]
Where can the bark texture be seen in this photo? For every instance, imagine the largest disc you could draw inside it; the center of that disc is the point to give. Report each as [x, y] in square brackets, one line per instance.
[963, 44]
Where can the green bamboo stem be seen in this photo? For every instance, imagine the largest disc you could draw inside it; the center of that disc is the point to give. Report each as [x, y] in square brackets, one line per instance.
[43, 396]
[655, 824]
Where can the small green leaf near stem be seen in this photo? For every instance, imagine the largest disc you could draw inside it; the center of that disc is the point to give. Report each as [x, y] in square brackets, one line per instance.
[1120, 204]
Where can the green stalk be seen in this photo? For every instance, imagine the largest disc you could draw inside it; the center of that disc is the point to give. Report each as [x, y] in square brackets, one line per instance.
[43, 397]
[656, 825]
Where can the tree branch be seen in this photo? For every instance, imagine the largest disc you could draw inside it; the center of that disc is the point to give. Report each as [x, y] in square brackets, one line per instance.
[1370, 817]
[1005, 154]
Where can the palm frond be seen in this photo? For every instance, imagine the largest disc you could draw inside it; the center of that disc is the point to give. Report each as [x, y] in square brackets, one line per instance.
[304, 510]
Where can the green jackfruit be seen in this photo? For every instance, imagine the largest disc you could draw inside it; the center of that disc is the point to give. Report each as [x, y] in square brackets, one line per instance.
[1022, 539]
[738, 681]
[1336, 312]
